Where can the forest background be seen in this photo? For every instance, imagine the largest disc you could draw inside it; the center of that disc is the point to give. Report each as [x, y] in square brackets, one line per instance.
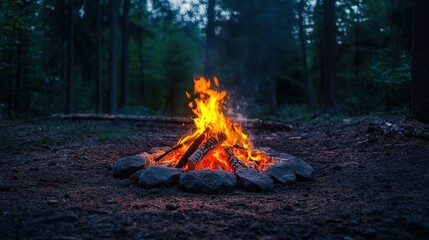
[278, 58]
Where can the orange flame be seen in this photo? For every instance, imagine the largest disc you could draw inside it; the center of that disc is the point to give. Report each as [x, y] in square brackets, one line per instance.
[208, 105]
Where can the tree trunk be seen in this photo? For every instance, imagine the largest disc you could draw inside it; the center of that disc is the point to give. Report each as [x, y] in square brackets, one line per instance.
[10, 62]
[357, 39]
[329, 43]
[420, 61]
[18, 72]
[140, 47]
[113, 57]
[99, 105]
[125, 54]
[272, 84]
[210, 34]
[70, 80]
[63, 75]
[302, 41]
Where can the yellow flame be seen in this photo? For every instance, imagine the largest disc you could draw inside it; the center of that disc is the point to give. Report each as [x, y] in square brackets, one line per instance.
[208, 106]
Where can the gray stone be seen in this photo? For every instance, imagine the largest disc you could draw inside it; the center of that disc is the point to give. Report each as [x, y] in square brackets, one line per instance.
[276, 154]
[125, 167]
[136, 176]
[253, 181]
[303, 170]
[279, 173]
[282, 170]
[207, 181]
[157, 176]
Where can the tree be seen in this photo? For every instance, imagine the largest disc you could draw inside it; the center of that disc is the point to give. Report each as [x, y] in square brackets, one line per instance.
[99, 105]
[210, 34]
[357, 41]
[70, 58]
[140, 49]
[112, 56]
[18, 69]
[329, 42]
[420, 61]
[125, 54]
[302, 41]
[271, 80]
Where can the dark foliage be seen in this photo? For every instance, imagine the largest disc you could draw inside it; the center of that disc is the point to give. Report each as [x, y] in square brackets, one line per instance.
[270, 53]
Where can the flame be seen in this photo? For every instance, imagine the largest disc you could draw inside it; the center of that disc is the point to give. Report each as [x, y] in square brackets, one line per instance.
[208, 105]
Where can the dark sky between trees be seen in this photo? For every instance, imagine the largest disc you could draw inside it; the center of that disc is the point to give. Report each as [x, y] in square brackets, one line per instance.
[140, 56]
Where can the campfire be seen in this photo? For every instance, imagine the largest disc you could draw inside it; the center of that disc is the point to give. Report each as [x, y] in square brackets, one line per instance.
[217, 142]
[215, 155]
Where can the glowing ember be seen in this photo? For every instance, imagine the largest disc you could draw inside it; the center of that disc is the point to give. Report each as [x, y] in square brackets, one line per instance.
[215, 129]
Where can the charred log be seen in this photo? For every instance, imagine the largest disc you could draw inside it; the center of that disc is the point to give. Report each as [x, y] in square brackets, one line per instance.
[233, 161]
[199, 154]
[392, 129]
[241, 148]
[177, 147]
[252, 152]
[194, 146]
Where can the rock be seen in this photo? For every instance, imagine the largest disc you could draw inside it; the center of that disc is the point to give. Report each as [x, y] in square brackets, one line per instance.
[278, 155]
[159, 176]
[136, 176]
[303, 170]
[207, 181]
[283, 170]
[125, 167]
[279, 173]
[254, 181]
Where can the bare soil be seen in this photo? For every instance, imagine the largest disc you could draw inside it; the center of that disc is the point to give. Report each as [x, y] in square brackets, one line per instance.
[56, 183]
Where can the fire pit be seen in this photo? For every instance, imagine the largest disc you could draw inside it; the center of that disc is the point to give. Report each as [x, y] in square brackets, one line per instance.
[215, 156]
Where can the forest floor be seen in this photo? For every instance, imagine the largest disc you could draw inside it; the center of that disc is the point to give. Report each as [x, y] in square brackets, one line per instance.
[56, 183]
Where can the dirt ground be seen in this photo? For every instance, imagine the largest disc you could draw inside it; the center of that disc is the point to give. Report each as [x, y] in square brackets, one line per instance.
[56, 183]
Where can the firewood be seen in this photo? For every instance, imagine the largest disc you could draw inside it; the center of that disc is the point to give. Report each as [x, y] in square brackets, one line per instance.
[209, 145]
[122, 117]
[194, 146]
[177, 147]
[252, 152]
[233, 161]
[247, 123]
[377, 125]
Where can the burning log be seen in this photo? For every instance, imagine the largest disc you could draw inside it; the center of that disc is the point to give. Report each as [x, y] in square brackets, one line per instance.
[194, 146]
[199, 154]
[252, 152]
[233, 161]
[177, 147]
